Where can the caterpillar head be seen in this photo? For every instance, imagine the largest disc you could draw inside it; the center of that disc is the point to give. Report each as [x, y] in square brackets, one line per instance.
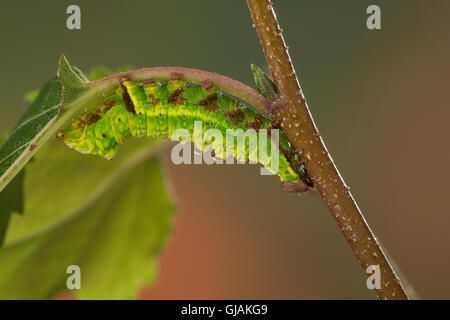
[90, 138]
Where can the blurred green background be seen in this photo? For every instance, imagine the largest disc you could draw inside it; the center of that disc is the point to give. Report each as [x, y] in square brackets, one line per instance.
[380, 99]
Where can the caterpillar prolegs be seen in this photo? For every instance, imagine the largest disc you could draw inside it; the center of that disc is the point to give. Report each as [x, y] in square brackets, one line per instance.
[157, 109]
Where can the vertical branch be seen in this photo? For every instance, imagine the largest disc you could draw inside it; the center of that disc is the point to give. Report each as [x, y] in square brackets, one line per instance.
[295, 119]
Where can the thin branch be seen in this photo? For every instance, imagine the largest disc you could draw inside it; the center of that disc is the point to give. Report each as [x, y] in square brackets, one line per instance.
[100, 88]
[228, 85]
[295, 119]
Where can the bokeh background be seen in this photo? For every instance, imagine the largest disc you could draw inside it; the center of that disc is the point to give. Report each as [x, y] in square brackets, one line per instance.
[379, 98]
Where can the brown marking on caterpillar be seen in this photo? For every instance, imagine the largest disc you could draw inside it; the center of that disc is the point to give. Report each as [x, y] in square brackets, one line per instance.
[209, 103]
[149, 81]
[207, 84]
[176, 97]
[92, 118]
[80, 125]
[127, 99]
[235, 116]
[255, 124]
[155, 100]
[108, 105]
[297, 187]
[107, 108]
[295, 165]
[176, 76]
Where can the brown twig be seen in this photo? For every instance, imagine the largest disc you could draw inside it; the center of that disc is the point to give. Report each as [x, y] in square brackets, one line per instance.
[228, 85]
[296, 122]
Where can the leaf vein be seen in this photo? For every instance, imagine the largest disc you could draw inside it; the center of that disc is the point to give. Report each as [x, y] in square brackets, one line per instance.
[32, 118]
[21, 147]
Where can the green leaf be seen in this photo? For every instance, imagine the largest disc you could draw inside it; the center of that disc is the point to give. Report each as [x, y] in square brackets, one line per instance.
[110, 218]
[58, 102]
[40, 120]
[264, 84]
[11, 200]
[80, 73]
[18, 148]
[73, 81]
[30, 96]
[100, 72]
[125, 68]
[33, 129]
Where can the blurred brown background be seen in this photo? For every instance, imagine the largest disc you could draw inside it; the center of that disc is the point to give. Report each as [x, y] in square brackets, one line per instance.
[380, 99]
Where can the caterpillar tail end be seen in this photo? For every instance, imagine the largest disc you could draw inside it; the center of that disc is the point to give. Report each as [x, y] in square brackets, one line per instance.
[296, 187]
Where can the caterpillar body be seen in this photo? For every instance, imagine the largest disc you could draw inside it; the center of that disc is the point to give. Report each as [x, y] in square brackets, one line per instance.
[157, 109]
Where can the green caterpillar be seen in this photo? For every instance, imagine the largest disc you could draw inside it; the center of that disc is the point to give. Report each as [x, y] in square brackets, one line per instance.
[156, 109]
